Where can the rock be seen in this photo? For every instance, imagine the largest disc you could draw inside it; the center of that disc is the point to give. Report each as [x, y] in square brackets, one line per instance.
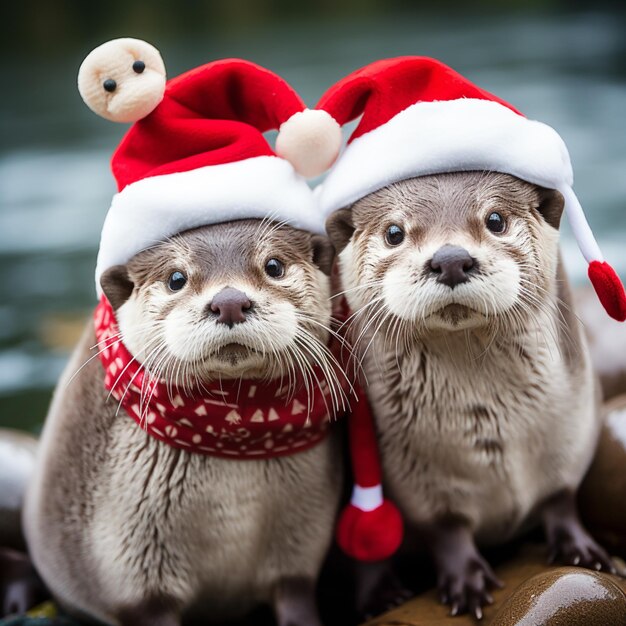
[607, 342]
[17, 461]
[602, 495]
[566, 596]
[529, 563]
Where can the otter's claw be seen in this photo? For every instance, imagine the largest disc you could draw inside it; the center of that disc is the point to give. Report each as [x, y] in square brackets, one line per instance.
[574, 546]
[466, 588]
[387, 596]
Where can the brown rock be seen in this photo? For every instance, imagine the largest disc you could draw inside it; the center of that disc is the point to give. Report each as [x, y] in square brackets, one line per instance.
[530, 563]
[566, 596]
[602, 495]
[607, 342]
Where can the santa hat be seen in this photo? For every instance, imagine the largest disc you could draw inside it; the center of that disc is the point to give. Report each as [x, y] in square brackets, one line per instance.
[196, 154]
[420, 117]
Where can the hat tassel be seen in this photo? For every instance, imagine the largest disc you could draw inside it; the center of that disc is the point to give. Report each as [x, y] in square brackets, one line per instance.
[603, 277]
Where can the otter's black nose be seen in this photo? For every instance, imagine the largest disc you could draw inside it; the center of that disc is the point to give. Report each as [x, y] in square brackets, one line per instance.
[452, 264]
[231, 306]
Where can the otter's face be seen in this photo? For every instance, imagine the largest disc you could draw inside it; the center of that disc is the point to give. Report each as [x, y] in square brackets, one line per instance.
[243, 299]
[448, 252]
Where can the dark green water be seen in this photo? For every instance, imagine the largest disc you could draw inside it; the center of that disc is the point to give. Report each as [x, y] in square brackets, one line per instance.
[55, 186]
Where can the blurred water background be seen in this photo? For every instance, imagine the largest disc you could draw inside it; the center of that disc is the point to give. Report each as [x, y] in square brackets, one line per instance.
[561, 62]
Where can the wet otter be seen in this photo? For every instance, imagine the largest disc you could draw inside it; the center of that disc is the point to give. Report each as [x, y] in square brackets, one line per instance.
[130, 530]
[478, 371]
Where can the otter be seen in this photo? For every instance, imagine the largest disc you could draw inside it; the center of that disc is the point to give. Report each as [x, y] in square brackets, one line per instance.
[126, 529]
[478, 371]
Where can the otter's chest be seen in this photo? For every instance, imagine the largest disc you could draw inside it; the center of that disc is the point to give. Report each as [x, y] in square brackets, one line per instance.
[475, 433]
[164, 518]
[195, 524]
[472, 401]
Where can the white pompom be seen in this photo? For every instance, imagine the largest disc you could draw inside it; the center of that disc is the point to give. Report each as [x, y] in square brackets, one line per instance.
[310, 140]
[123, 80]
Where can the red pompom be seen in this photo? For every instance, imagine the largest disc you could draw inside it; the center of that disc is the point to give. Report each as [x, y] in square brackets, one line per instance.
[609, 288]
[370, 535]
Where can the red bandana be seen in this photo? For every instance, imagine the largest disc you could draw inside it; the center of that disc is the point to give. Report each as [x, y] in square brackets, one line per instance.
[234, 419]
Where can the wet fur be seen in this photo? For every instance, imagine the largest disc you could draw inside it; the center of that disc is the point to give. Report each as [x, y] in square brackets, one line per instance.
[116, 520]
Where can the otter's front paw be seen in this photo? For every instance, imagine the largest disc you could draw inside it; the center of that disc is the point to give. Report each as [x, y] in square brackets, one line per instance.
[568, 541]
[571, 544]
[465, 586]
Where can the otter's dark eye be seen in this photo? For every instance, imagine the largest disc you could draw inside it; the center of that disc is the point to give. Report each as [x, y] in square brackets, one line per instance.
[274, 268]
[394, 235]
[496, 223]
[139, 66]
[176, 281]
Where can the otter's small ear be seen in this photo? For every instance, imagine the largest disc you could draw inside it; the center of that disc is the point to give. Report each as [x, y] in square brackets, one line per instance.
[117, 285]
[340, 228]
[323, 253]
[551, 206]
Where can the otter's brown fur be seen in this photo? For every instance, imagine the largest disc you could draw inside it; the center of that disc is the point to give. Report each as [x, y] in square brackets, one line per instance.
[128, 530]
[485, 400]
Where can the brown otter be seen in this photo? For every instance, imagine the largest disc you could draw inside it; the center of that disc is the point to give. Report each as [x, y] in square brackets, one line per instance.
[478, 372]
[128, 530]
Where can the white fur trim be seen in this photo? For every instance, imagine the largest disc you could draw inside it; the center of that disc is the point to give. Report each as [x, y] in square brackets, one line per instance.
[367, 498]
[310, 140]
[580, 227]
[456, 135]
[148, 211]
[452, 136]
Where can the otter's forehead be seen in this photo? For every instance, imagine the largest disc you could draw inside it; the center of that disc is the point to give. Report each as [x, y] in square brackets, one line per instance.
[447, 201]
[227, 250]
[238, 244]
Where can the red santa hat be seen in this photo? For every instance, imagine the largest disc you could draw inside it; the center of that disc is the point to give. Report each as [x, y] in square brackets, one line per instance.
[420, 117]
[196, 153]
